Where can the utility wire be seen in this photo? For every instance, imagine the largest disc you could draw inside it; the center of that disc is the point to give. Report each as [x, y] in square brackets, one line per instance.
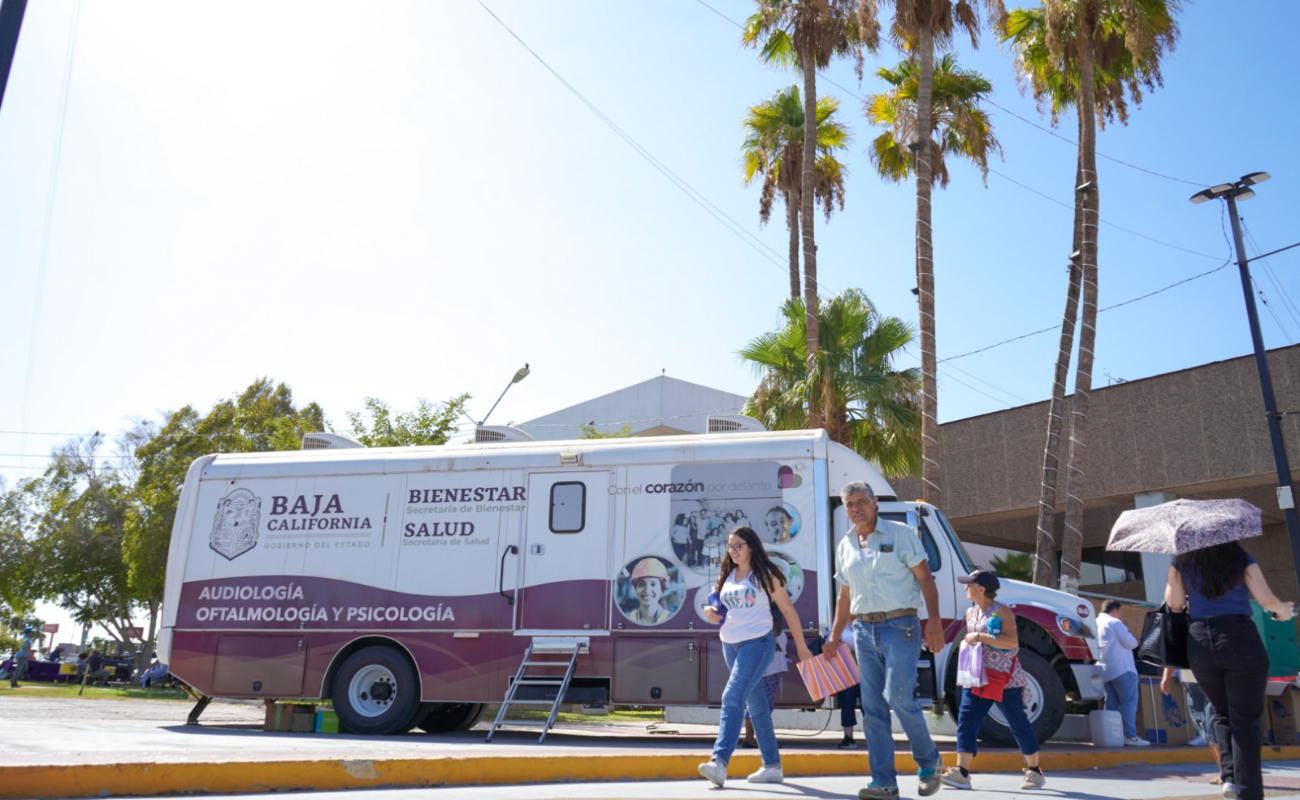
[1287, 303]
[1102, 155]
[1264, 299]
[699, 199]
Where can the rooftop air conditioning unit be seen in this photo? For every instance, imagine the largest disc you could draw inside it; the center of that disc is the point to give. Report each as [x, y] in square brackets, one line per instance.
[329, 441]
[733, 423]
[490, 434]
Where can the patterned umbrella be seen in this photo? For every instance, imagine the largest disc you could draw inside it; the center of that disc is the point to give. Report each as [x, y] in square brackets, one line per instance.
[1181, 526]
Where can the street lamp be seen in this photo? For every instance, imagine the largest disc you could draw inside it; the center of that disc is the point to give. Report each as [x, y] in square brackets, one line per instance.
[519, 376]
[1232, 192]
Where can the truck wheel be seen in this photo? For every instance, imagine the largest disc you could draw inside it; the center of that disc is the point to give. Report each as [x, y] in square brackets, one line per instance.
[447, 717]
[376, 692]
[1044, 704]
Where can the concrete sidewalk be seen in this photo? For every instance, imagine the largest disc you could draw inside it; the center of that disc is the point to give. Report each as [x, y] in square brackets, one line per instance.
[82, 748]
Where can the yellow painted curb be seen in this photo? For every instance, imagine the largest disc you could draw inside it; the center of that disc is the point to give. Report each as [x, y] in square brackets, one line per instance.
[327, 775]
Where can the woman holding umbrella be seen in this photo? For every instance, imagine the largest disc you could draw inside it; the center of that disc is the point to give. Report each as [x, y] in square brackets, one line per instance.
[1214, 579]
[1215, 584]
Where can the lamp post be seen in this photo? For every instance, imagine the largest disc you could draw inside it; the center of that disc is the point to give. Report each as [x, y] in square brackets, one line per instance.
[519, 376]
[1231, 193]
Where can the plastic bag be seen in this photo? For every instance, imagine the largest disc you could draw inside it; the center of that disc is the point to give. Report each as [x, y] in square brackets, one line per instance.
[970, 665]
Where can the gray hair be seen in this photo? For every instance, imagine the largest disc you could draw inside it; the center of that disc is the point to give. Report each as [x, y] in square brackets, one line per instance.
[856, 487]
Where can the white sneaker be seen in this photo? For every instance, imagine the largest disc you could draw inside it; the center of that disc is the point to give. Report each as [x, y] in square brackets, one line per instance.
[715, 772]
[767, 774]
[1229, 790]
[1136, 741]
[1199, 741]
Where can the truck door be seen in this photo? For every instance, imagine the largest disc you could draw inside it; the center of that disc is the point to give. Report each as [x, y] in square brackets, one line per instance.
[565, 584]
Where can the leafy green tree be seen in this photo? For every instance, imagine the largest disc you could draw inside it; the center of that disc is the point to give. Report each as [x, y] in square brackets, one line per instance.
[1094, 55]
[84, 508]
[773, 148]
[870, 406]
[588, 431]
[807, 34]
[428, 424]
[1015, 566]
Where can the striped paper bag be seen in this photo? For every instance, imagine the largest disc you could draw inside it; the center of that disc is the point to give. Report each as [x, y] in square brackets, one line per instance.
[828, 674]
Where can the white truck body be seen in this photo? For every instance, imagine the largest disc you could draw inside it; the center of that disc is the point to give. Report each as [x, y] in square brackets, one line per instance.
[290, 574]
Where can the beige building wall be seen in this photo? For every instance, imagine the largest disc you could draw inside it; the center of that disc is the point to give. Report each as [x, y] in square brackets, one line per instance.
[1197, 433]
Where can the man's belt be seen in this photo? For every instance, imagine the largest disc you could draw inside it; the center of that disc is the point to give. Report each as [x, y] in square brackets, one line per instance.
[881, 616]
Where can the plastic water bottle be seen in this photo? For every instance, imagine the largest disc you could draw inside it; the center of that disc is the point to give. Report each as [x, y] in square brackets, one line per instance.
[715, 600]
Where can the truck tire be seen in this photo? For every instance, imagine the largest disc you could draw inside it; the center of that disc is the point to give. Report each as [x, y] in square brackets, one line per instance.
[448, 717]
[1044, 704]
[376, 692]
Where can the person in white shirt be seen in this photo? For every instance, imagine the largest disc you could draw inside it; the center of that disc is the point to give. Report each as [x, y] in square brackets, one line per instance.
[1118, 670]
[748, 586]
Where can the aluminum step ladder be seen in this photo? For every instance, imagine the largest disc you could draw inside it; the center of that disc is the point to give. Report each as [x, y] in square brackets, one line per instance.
[557, 646]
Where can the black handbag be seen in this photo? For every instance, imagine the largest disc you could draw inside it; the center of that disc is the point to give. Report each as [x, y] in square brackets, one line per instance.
[1163, 642]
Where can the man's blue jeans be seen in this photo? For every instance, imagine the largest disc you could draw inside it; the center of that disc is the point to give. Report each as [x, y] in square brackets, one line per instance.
[1122, 696]
[888, 653]
[747, 660]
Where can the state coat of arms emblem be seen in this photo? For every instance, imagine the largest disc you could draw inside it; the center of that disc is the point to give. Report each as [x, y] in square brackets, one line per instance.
[234, 528]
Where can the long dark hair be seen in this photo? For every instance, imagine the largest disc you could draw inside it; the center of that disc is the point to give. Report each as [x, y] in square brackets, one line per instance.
[769, 574]
[1215, 570]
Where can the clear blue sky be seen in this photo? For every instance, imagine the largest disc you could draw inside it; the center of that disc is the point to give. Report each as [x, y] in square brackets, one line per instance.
[398, 200]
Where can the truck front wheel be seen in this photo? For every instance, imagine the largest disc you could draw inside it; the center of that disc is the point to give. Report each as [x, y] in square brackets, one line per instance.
[447, 717]
[1044, 704]
[376, 692]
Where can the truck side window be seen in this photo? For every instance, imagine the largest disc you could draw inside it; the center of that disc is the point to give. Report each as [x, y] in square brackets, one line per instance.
[568, 507]
[931, 548]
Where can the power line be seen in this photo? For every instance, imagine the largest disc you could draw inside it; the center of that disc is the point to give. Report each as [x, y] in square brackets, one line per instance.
[1102, 155]
[1272, 276]
[699, 199]
[986, 383]
[1104, 222]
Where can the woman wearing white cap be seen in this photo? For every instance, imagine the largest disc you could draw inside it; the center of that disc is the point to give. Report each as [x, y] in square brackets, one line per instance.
[992, 627]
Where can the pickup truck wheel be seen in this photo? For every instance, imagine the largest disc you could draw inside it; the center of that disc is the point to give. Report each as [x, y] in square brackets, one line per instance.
[1044, 704]
[376, 692]
[447, 717]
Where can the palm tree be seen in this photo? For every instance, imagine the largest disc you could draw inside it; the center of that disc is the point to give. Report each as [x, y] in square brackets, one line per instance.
[1095, 55]
[918, 26]
[807, 34]
[960, 126]
[869, 405]
[773, 147]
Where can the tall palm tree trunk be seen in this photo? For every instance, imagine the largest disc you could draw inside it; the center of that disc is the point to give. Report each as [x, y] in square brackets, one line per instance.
[806, 214]
[930, 492]
[1086, 207]
[792, 219]
[1045, 549]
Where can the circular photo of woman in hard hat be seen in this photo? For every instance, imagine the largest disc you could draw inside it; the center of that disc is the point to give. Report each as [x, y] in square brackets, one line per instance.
[649, 590]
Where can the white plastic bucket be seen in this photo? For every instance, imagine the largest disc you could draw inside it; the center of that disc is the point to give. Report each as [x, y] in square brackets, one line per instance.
[1107, 728]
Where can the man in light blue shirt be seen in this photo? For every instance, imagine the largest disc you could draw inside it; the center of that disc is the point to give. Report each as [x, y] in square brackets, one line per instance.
[884, 576]
[1118, 670]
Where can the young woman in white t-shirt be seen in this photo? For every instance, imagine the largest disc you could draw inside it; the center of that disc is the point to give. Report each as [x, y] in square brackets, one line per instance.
[748, 584]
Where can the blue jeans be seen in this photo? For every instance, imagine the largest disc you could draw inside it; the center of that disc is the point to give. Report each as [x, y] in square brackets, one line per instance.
[888, 653]
[747, 660]
[974, 709]
[1122, 696]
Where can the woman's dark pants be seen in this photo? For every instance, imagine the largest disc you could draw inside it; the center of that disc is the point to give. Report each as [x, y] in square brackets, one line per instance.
[1231, 666]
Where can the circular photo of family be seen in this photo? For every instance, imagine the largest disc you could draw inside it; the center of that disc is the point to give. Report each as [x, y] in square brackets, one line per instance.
[791, 570]
[780, 524]
[649, 590]
[699, 536]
